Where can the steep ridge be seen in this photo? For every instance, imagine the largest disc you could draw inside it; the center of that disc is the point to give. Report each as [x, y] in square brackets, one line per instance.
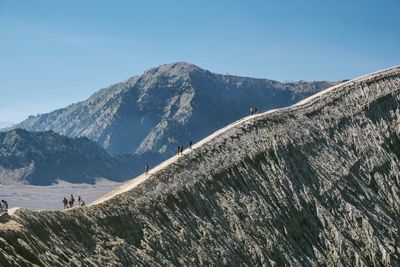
[315, 184]
[42, 158]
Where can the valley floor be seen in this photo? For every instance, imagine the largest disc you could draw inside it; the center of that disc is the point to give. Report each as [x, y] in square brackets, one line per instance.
[50, 197]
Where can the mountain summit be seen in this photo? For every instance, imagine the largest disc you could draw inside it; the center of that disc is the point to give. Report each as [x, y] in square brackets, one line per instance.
[165, 107]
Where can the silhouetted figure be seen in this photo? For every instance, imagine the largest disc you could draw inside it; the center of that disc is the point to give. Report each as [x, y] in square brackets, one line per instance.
[71, 201]
[5, 205]
[146, 168]
[190, 144]
[181, 150]
[65, 201]
[79, 200]
[255, 110]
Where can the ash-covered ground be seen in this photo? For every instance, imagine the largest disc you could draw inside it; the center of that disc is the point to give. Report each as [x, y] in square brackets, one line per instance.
[50, 197]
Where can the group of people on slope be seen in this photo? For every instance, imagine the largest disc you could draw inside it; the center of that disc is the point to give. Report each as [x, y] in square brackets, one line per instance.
[3, 206]
[180, 152]
[69, 203]
[181, 148]
[253, 110]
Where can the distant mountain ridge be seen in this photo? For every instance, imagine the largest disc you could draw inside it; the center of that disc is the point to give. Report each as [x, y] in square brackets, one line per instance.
[151, 114]
[166, 106]
[41, 158]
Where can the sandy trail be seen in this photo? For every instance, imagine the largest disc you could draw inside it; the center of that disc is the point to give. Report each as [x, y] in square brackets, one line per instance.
[141, 178]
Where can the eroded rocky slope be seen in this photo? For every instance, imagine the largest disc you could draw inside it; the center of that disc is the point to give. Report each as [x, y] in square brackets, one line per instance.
[316, 184]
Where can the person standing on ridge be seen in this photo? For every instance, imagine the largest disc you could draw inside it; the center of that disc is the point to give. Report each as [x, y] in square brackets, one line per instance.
[146, 169]
[71, 201]
[251, 111]
[190, 144]
[5, 205]
[79, 200]
[65, 201]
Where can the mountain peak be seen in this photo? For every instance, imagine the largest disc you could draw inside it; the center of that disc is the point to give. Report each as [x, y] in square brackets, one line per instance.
[174, 68]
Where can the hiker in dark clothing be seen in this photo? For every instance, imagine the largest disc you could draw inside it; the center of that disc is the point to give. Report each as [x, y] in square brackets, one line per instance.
[255, 110]
[146, 168]
[190, 144]
[181, 150]
[71, 201]
[79, 200]
[65, 201]
[5, 205]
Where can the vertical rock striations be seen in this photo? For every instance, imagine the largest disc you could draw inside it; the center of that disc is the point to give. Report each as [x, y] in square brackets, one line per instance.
[315, 184]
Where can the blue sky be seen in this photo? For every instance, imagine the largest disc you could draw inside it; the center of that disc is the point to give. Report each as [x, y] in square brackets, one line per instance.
[54, 53]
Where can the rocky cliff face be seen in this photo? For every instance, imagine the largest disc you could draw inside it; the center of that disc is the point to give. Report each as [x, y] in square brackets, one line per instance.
[316, 184]
[151, 114]
[41, 158]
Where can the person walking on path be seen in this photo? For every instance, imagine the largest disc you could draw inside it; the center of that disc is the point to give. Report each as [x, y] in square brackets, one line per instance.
[65, 201]
[5, 205]
[71, 201]
[190, 144]
[146, 169]
[82, 203]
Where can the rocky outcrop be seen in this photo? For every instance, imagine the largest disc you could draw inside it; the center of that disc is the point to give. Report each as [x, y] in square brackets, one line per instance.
[316, 184]
[42, 158]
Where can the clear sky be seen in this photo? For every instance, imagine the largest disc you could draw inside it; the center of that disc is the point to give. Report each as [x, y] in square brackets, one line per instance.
[54, 53]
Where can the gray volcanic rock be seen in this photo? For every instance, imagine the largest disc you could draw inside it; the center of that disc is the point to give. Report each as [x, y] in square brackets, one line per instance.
[41, 158]
[315, 184]
[150, 115]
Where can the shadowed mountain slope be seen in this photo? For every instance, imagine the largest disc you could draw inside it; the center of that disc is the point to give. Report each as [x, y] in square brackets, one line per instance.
[40, 158]
[315, 184]
[152, 114]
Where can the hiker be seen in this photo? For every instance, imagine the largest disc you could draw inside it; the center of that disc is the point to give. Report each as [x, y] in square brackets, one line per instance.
[71, 201]
[81, 202]
[181, 150]
[65, 201]
[190, 144]
[146, 169]
[255, 110]
[251, 111]
[5, 205]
